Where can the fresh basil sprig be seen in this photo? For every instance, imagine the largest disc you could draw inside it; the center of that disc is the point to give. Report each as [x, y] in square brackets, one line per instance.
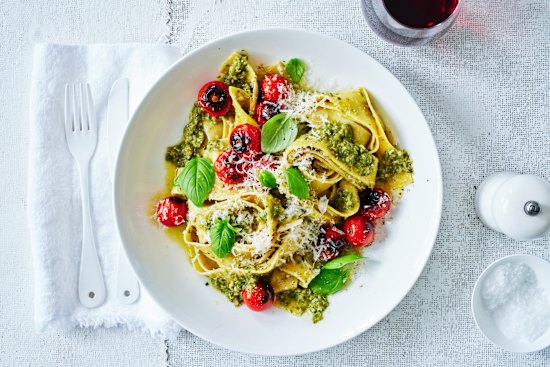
[328, 281]
[342, 261]
[295, 69]
[332, 277]
[267, 179]
[297, 183]
[278, 133]
[222, 237]
[196, 180]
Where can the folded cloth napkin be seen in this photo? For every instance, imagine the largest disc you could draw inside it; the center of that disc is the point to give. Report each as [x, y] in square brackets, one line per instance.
[54, 204]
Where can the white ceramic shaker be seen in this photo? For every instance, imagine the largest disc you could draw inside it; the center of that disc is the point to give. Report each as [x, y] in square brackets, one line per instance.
[516, 205]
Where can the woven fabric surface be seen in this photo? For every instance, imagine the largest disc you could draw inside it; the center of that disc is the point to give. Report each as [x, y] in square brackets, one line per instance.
[485, 91]
[22, 24]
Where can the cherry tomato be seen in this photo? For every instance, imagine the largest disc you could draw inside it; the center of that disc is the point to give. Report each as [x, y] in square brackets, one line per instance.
[332, 238]
[274, 88]
[171, 211]
[266, 110]
[245, 139]
[260, 298]
[359, 231]
[214, 98]
[375, 203]
[231, 167]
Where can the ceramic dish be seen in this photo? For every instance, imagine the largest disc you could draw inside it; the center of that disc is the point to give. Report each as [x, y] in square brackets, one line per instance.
[485, 322]
[395, 260]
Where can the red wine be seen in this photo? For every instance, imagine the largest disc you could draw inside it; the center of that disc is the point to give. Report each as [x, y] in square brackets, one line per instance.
[420, 13]
[410, 22]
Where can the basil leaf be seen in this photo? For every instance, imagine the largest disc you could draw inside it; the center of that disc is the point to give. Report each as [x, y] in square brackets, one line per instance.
[267, 179]
[278, 133]
[328, 281]
[297, 184]
[222, 238]
[196, 180]
[295, 69]
[342, 261]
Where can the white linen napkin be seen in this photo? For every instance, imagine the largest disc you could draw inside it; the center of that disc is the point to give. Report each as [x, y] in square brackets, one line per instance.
[54, 204]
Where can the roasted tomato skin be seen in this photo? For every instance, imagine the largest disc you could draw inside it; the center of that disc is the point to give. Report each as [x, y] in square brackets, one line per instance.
[359, 231]
[333, 239]
[375, 203]
[274, 88]
[230, 167]
[246, 139]
[260, 298]
[266, 110]
[172, 211]
[214, 98]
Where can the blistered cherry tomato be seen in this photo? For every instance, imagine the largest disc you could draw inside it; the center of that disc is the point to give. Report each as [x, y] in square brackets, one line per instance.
[359, 231]
[274, 88]
[332, 240]
[231, 167]
[375, 203]
[245, 139]
[266, 110]
[260, 298]
[171, 211]
[214, 98]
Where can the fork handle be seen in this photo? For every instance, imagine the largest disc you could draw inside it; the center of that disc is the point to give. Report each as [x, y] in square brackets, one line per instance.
[91, 286]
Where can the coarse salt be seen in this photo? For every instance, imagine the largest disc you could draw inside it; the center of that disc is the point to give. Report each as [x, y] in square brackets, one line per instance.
[518, 306]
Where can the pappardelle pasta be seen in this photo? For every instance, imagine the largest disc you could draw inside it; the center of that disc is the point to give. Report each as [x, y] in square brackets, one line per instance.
[277, 186]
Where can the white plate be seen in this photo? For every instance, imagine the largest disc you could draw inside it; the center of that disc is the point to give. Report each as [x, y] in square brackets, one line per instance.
[395, 260]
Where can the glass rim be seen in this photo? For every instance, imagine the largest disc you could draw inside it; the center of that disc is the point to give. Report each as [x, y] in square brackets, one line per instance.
[435, 26]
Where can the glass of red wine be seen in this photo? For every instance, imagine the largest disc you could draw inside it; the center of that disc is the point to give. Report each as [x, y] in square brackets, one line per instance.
[410, 22]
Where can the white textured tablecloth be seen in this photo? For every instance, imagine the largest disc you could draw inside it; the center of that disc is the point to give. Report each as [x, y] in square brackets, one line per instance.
[485, 91]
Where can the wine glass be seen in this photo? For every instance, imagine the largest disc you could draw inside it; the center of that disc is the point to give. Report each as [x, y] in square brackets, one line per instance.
[410, 22]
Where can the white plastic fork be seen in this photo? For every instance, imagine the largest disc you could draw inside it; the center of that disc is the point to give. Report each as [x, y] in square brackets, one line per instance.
[81, 134]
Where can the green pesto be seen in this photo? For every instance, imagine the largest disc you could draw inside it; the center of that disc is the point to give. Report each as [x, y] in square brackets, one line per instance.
[215, 145]
[343, 200]
[302, 300]
[236, 76]
[278, 211]
[339, 138]
[394, 162]
[238, 218]
[192, 140]
[232, 285]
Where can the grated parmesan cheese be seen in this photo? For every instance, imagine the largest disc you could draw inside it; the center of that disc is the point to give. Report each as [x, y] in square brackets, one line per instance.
[299, 103]
[323, 204]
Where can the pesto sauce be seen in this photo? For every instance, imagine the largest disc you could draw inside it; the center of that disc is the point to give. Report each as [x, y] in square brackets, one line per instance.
[277, 209]
[339, 138]
[302, 300]
[394, 162]
[242, 218]
[343, 200]
[192, 140]
[236, 75]
[215, 145]
[232, 285]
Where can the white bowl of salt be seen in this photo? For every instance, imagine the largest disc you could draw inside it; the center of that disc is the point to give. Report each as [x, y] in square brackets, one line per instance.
[511, 303]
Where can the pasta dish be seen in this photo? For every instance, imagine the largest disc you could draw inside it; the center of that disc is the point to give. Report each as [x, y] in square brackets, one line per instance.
[278, 186]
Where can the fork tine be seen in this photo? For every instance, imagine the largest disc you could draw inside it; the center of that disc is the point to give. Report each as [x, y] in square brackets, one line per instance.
[69, 124]
[90, 107]
[76, 122]
[83, 118]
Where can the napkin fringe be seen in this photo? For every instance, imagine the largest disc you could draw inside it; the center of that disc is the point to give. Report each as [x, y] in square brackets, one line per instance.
[165, 331]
